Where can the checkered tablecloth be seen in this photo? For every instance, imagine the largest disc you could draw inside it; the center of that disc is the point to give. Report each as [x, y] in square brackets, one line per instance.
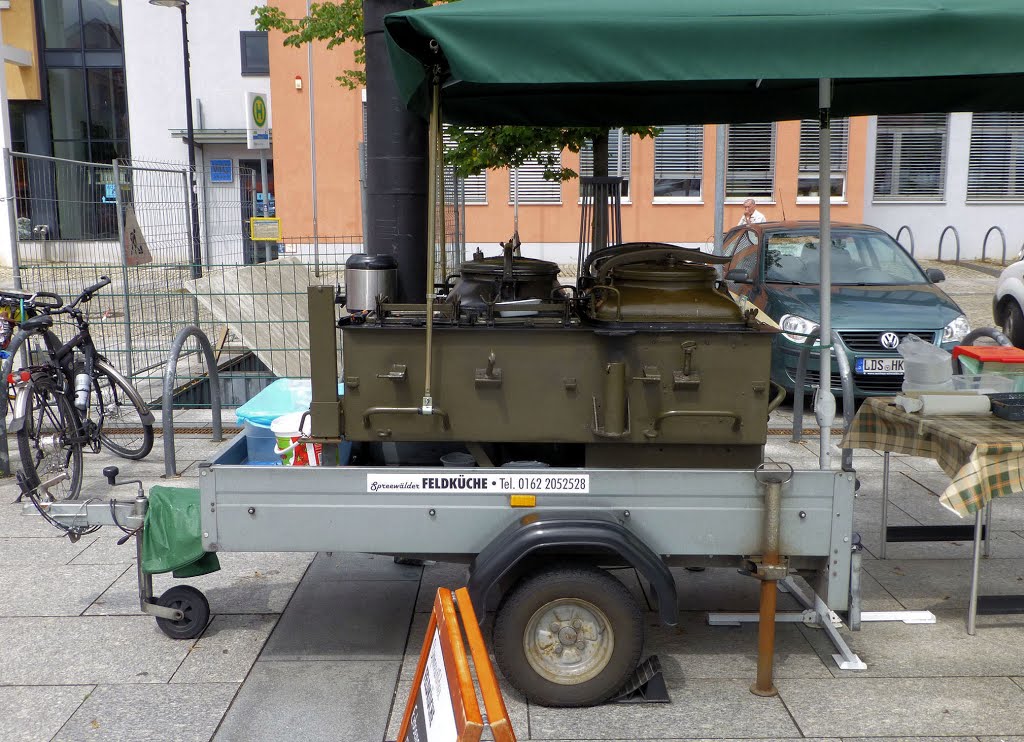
[982, 454]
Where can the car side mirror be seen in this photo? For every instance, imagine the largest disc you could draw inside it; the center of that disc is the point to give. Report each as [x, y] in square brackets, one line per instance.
[738, 275]
[935, 275]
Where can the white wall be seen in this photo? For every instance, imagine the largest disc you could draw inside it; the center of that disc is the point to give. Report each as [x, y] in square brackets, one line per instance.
[155, 75]
[928, 220]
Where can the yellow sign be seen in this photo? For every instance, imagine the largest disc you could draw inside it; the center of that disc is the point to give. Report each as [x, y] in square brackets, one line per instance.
[265, 228]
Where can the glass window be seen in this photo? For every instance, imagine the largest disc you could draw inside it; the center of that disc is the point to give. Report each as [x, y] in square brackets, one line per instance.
[108, 104]
[995, 171]
[860, 258]
[810, 134]
[619, 157]
[101, 24]
[255, 53]
[750, 161]
[529, 182]
[69, 115]
[62, 25]
[679, 162]
[910, 157]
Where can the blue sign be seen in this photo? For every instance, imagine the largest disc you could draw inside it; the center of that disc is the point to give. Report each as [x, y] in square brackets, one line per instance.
[222, 171]
[109, 193]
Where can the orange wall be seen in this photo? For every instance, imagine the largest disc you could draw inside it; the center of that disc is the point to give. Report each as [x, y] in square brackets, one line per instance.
[339, 130]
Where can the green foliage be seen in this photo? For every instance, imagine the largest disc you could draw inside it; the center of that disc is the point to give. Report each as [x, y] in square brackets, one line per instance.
[473, 150]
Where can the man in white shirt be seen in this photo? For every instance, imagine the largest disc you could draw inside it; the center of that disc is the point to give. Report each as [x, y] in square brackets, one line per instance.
[750, 214]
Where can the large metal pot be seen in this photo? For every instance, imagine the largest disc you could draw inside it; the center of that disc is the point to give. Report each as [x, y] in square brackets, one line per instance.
[366, 278]
[504, 278]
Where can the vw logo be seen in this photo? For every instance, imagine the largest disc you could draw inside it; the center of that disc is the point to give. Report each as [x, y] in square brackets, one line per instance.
[889, 340]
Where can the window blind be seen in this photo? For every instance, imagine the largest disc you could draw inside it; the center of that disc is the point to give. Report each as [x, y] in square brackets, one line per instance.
[995, 170]
[474, 188]
[531, 185]
[910, 157]
[750, 161]
[807, 177]
[679, 162]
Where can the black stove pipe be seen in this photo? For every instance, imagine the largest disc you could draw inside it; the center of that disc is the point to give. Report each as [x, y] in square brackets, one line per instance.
[397, 170]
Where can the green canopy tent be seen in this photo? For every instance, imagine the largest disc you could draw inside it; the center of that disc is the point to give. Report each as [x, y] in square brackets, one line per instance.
[652, 62]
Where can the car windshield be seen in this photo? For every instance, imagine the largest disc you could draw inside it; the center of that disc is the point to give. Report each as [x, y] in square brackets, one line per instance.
[860, 258]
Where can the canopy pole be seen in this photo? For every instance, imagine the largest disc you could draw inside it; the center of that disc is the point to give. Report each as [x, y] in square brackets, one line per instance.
[720, 134]
[435, 147]
[825, 401]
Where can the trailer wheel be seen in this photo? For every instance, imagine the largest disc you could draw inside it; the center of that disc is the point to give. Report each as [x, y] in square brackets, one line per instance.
[193, 604]
[568, 636]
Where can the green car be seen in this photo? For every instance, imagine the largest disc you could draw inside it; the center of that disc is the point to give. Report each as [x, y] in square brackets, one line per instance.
[879, 296]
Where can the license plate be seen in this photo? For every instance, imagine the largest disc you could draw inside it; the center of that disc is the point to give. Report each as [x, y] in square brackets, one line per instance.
[891, 366]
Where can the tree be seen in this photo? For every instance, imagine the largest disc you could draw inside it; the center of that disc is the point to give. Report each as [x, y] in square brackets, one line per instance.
[473, 150]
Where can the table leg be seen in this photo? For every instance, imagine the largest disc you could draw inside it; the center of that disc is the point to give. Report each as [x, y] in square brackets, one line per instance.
[885, 504]
[972, 608]
[988, 530]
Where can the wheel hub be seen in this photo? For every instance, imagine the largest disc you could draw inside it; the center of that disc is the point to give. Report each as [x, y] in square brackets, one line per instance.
[569, 641]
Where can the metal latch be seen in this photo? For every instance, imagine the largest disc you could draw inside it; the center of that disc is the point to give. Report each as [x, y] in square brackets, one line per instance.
[397, 373]
[490, 376]
[769, 571]
[651, 375]
[684, 378]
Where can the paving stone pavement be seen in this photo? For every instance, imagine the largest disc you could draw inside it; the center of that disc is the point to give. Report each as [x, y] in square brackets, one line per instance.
[323, 647]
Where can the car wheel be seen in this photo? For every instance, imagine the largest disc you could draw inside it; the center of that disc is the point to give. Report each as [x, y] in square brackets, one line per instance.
[1013, 323]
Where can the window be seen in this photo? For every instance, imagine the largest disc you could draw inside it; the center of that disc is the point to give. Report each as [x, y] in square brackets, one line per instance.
[807, 178]
[255, 53]
[995, 171]
[679, 162]
[619, 157]
[910, 157]
[528, 182]
[750, 161]
[473, 188]
[82, 24]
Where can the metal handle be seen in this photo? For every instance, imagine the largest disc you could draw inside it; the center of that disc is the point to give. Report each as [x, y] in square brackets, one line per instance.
[655, 429]
[618, 299]
[398, 372]
[778, 399]
[434, 412]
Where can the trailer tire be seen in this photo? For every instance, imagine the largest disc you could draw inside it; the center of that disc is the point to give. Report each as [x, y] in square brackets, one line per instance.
[193, 604]
[568, 636]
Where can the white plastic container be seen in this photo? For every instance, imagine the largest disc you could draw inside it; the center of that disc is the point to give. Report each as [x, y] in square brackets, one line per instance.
[925, 366]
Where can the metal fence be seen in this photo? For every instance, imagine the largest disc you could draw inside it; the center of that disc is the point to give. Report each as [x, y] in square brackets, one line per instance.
[249, 297]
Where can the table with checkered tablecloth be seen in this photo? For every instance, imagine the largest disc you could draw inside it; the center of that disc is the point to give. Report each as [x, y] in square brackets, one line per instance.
[982, 454]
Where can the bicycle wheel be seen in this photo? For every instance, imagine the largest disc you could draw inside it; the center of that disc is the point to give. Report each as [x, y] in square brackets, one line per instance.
[125, 423]
[48, 442]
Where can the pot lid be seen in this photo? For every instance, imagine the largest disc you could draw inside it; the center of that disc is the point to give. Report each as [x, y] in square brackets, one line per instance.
[362, 261]
[521, 267]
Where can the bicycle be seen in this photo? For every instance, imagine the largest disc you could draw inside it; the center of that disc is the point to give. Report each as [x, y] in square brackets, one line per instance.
[57, 400]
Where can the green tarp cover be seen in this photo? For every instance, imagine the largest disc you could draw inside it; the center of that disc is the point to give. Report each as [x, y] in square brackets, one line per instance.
[649, 62]
[172, 534]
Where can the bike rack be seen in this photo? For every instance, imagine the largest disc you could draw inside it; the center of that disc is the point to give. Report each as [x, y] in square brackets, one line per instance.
[984, 242]
[910, 232]
[167, 414]
[845, 378]
[943, 236]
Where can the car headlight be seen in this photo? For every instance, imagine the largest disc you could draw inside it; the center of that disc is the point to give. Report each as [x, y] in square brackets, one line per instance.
[796, 329]
[956, 330]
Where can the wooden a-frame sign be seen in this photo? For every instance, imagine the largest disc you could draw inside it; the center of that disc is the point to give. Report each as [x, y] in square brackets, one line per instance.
[442, 705]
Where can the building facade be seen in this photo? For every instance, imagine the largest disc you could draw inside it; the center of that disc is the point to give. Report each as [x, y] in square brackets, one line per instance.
[927, 172]
[669, 181]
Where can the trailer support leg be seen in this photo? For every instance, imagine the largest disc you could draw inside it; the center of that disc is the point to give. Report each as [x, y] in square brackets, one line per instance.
[770, 570]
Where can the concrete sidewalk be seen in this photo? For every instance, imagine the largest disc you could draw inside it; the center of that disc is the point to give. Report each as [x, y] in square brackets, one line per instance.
[324, 648]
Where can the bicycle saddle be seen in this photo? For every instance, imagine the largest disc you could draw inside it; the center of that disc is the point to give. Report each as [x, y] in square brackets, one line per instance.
[38, 323]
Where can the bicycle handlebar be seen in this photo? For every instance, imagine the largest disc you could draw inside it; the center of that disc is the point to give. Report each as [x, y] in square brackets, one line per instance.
[87, 293]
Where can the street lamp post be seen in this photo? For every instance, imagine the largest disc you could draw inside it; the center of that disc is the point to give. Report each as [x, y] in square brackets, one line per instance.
[197, 253]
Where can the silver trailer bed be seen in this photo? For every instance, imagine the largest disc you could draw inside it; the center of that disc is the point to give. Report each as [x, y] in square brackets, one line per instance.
[686, 516]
